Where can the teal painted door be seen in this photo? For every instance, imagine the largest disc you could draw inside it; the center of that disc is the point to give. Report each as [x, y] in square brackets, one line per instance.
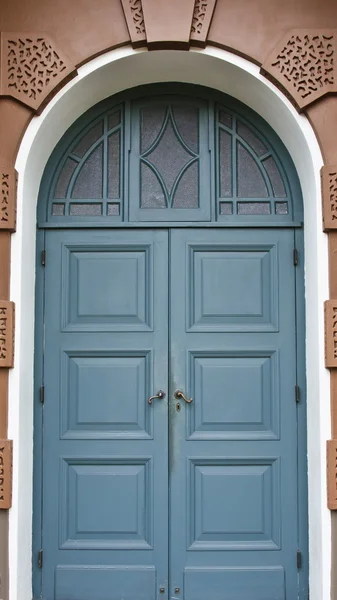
[173, 499]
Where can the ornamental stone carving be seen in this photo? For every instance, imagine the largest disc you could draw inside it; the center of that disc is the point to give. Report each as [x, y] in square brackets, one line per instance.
[304, 63]
[31, 67]
[6, 452]
[8, 181]
[332, 474]
[134, 17]
[6, 333]
[330, 310]
[202, 16]
[329, 196]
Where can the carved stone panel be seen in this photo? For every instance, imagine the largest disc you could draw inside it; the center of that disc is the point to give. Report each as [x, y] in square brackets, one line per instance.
[6, 452]
[329, 196]
[202, 16]
[332, 473]
[304, 63]
[31, 67]
[134, 17]
[8, 180]
[330, 311]
[6, 333]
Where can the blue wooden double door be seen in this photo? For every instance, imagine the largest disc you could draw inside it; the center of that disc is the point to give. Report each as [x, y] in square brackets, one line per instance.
[169, 422]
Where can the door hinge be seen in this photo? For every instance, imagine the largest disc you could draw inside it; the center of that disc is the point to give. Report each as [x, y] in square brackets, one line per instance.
[297, 393]
[295, 254]
[40, 559]
[43, 258]
[42, 395]
[298, 559]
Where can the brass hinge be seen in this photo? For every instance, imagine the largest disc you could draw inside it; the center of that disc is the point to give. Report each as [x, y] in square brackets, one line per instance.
[40, 559]
[295, 254]
[298, 559]
[297, 393]
[43, 258]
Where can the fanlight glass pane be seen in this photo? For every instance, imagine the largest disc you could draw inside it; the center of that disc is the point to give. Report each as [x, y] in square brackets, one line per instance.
[90, 179]
[64, 178]
[152, 119]
[281, 208]
[187, 120]
[88, 140]
[113, 209]
[58, 210]
[113, 165]
[187, 192]
[250, 180]
[152, 195]
[226, 208]
[253, 208]
[275, 177]
[114, 119]
[225, 159]
[85, 210]
[225, 119]
[251, 139]
[169, 157]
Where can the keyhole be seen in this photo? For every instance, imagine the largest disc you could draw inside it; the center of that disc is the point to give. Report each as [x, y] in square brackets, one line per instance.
[178, 407]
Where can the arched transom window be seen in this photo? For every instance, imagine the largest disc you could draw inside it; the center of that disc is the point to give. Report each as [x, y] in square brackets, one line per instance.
[158, 155]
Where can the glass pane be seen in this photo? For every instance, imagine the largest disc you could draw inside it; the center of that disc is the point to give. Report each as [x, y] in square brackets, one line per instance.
[225, 119]
[85, 210]
[113, 209]
[152, 119]
[58, 210]
[152, 195]
[64, 178]
[113, 165]
[187, 121]
[226, 208]
[169, 157]
[250, 181]
[114, 119]
[187, 191]
[281, 208]
[275, 177]
[252, 140]
[88, 140]
[225, 158]
[89, 181]
[253, 208]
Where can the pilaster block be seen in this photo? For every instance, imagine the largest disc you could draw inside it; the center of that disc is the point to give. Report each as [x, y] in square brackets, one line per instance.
[31, 67]
[332, 473]
[6, 333]
[8, 184]
[6, 459]
[329, 197]
[304, 64]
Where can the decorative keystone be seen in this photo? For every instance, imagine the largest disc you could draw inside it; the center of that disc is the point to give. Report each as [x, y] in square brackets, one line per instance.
[304, 64]
[8, 182]
[133, 12]
[329, 196]
[6, 453]
[6, 333]
[330, 311]
[31, 67]
[331, 452]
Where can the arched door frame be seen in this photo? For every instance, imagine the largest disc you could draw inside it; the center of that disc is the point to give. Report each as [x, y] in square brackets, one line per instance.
[110, 73]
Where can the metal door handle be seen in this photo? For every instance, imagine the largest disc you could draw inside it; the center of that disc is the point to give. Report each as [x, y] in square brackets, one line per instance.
[179, 395]
[160, 395]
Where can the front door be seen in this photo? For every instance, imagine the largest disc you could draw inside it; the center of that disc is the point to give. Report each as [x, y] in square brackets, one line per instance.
[191, 493]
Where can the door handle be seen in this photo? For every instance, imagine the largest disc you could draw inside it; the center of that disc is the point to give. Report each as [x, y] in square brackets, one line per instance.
[160, 395]
[179, 395]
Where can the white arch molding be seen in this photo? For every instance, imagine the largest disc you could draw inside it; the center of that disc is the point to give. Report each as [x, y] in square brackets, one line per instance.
[110, 73]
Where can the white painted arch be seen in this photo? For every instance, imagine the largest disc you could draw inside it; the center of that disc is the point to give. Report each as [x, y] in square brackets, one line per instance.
[108, 74]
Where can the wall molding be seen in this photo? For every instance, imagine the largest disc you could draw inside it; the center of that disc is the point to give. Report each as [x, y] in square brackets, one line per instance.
[330, 312]
[31, 68]
[304, 64]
